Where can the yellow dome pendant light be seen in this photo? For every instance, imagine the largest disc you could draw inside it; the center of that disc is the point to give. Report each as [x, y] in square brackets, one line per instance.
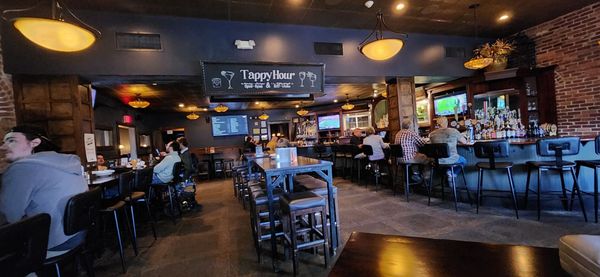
[139, 103]
[264, 116]
[348, 106]
[192, 116]
[301, 111]
[478, 61]
[381, 49]
[55, 33]
[221, 108]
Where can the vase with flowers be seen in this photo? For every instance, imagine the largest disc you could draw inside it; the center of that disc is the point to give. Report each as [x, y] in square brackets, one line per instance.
[499, 51]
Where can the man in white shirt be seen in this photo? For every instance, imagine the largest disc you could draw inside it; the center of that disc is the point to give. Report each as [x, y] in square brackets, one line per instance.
[163, 171]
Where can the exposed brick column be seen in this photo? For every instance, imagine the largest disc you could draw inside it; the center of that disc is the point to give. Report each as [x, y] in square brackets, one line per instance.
[572, 42]
[7, 105]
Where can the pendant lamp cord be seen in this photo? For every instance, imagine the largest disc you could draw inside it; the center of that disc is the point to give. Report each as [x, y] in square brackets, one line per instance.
[378, 29]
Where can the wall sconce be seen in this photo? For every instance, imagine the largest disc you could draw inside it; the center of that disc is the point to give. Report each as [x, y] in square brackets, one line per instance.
[245, 44]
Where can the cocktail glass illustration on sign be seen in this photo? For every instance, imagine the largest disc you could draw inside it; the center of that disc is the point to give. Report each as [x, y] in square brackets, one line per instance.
[312, 77]
[228, 75]
[302, 75]
[216, 82]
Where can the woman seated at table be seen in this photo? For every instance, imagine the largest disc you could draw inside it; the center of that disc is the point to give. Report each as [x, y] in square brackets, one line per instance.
[163, 171]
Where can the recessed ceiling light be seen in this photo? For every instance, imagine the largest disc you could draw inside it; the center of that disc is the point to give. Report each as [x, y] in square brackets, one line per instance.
[335, 100]
[369, 4]
[256, 102]
[181, 105]
[374, 94]
[154, 84]
[400, 6]
[503, 17]
[205, 109]
[297, 106]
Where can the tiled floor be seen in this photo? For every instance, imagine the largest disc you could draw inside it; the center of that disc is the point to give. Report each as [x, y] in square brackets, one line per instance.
[217, 240]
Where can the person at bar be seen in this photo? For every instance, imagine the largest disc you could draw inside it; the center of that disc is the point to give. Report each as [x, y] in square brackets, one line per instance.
[40, 180]
[376, 142]
[101, 162]
[249, 144]
[410, 142]
[451, 137]
[356, 138]
[272, 144]
[186, 158]
[163, 171]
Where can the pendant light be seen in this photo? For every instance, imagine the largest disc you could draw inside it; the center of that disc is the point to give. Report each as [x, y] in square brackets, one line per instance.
[348, 106]
[221, 108]
[139, 103]
[192, 116]
[55, 33]
[478, 61]
[263, 116]
[301, 111]
[380, 49]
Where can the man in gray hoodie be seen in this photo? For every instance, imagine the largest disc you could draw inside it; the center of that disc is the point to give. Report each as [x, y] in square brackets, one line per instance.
[39, 180]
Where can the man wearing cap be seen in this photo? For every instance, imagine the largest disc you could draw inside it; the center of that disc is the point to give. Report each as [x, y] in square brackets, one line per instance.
[39, 180]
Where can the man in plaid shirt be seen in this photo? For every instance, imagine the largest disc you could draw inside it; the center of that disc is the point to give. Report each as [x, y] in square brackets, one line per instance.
[410, 142]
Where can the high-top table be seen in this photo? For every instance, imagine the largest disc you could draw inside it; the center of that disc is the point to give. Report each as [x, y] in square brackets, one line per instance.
[275, 175]
[387, 255]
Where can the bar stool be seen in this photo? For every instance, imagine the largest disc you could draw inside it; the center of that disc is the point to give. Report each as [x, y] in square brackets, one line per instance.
[321, 152]
[557, 148]
[595, 165]
[23, 245]
[259, 218]
[293, 207]
[492, 150]
[140, 190]
[171, 190]
[348, 150]
[438, 151]
[203, 169]
[228, 167]
[338, 156]
[396, 153]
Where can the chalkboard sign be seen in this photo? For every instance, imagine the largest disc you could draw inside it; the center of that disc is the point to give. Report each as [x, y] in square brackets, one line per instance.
[262, 78]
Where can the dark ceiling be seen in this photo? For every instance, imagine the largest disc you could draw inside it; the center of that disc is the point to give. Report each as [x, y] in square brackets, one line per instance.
[448, 17]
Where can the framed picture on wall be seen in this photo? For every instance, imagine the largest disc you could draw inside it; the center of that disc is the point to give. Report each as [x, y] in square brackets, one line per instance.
[423, 112]
[255, 131]
[264, 137]
[263, 124]
[256, 138]
[263, 131]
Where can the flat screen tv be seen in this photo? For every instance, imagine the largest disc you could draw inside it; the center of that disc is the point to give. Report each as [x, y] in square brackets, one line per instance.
[329, 122]
[229, 125]
[444, 105]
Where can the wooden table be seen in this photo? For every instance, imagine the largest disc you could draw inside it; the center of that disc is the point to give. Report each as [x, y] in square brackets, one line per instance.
[276, 174]
[387, 255]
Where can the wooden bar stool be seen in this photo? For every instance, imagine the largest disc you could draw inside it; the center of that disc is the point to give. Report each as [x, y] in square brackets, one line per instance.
[492, 150]
[595, 165]
[557, 148]
[294, 206]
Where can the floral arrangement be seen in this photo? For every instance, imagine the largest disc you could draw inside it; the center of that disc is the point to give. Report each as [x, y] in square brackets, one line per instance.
[497, 50]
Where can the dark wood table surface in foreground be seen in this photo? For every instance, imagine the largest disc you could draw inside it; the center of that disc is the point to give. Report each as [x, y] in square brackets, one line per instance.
[387, 255]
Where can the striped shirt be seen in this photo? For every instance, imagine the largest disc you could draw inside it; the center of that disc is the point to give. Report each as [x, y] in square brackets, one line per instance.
[410, 142]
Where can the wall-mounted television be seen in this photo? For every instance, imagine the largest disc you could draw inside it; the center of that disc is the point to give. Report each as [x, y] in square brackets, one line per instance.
[329, 122]
[229, 125]
[446, 104]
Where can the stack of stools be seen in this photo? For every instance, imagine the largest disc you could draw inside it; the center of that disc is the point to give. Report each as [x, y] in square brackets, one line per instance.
[595, 165]
[557, 148]
[438, 151]
[492, 150]
[294, 207]
[228, 167]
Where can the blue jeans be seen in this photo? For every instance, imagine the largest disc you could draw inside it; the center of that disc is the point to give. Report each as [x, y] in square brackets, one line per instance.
[156, 180]
[462, 161]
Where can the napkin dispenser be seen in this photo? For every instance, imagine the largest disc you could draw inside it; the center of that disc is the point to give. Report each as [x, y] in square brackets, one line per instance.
[286, 154]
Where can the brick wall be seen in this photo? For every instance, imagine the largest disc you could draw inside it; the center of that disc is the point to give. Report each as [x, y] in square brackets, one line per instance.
[7, 105]
[572, 42]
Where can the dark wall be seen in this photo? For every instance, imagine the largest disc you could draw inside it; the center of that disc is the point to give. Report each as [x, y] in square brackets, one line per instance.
[199, 132]
[187, 41]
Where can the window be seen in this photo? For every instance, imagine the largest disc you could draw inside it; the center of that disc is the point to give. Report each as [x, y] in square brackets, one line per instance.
[357, 120]
[103, 137]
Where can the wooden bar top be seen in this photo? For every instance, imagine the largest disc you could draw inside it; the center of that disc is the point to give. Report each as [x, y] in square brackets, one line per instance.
[388, 255]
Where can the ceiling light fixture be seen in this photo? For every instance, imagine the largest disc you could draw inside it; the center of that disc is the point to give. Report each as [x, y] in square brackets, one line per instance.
[263, 116]
[380, 49]
[192, 116]
[348, 106]
[181, 105]
[55, 33]
[139, 103]
[369, 4]
[400, 6]
[301, 111]
[503, 17]
[478, 61]
[221, 108]
[335, 100]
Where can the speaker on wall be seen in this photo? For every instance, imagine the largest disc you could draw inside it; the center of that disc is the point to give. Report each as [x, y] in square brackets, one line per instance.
[328, 48]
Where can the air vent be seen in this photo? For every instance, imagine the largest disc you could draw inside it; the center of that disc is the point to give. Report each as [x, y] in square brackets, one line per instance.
[455, 52]
[137, 41]
[328, 48]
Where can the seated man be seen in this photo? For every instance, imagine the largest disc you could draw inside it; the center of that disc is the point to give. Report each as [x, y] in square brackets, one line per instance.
[163, 171]
[39, 180]
[186, 158]
[410, 142]
[101, 162]
[451, 137]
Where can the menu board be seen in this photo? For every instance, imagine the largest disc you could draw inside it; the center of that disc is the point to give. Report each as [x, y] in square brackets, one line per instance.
[262, 78]
[229, 125]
